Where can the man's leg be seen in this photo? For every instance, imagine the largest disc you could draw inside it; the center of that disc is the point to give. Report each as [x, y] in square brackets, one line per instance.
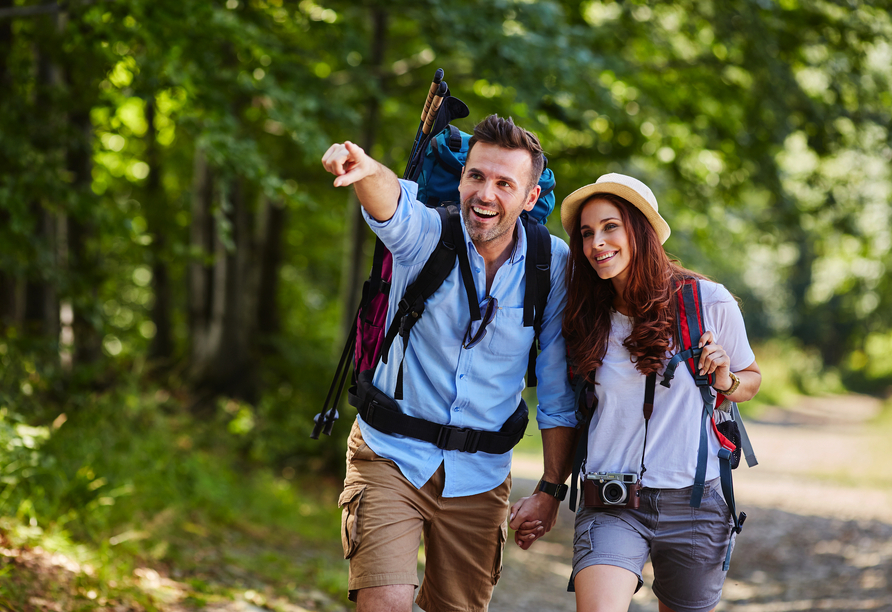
[392, 598]
[382, 521]
[463, 545]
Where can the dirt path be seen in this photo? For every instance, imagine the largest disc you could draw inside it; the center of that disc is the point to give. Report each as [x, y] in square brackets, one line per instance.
[819, 532]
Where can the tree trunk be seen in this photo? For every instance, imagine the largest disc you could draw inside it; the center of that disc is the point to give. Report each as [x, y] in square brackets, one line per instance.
[7, 279]
[201, 278]
[270, 228]
[161, 347]
[83, 256]
[222, 294]
[355, 266]
[40, 307]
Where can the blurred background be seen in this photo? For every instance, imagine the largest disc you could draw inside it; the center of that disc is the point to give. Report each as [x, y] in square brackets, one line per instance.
[177, 272]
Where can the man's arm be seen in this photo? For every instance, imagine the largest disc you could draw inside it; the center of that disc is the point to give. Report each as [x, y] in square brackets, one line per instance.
[534, 516]
[377, 187]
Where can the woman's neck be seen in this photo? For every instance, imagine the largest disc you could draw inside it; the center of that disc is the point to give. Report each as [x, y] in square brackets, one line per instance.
[619, 303]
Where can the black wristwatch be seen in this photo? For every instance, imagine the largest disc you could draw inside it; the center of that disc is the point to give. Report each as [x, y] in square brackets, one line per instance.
[557, 491]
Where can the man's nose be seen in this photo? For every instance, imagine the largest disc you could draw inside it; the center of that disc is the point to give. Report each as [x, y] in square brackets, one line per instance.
[488, 192]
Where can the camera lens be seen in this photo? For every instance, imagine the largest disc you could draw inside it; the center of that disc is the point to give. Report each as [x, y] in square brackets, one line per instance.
[613, 492]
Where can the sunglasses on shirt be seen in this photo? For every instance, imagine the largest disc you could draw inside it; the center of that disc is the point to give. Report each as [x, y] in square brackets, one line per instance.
[489, 313]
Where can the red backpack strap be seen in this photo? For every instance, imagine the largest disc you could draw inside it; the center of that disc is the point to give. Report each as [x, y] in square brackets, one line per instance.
[689, 309]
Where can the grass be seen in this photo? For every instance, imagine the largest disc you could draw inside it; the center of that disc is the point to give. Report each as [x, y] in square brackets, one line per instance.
[128, 501]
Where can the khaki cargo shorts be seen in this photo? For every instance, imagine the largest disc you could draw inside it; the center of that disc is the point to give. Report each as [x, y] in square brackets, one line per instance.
[384, 517]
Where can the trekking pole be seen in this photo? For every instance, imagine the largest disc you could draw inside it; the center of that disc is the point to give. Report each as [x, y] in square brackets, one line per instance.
[442, 89]
[435, 85]
[435, 108]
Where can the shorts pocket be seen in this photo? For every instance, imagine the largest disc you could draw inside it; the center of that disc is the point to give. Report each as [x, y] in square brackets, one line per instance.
[711, 528]
[497, 565]
[349, 502]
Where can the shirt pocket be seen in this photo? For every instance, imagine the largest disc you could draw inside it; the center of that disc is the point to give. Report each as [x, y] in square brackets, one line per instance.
[508, 336]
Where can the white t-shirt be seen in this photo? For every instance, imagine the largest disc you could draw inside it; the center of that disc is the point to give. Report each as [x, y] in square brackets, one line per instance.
[616, 432]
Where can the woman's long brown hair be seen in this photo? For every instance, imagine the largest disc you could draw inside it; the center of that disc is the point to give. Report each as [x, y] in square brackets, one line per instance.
[648, 294]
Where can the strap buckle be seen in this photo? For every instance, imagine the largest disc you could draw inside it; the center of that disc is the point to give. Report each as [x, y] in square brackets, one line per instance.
[458, 438]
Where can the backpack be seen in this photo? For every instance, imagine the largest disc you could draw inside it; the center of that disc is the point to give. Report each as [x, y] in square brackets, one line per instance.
[441, 168]
[435, 165]
[719, 415]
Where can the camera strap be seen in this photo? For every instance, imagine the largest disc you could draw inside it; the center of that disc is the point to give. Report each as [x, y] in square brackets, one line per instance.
[648, 409]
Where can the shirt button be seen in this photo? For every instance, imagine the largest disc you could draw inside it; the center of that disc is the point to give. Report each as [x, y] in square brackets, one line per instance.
[477, 270]
[461, 376]
[457, 409]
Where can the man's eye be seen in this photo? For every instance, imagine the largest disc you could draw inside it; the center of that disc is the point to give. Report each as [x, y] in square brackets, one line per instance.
[504, 184]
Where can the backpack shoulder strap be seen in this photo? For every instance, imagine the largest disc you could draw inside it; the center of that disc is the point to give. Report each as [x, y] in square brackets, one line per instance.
[538, 285]
[689, 327]
[435, 270]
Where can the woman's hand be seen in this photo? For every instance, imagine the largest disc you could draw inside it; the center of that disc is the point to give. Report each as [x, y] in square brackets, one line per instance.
[714, 360]
[532, 517]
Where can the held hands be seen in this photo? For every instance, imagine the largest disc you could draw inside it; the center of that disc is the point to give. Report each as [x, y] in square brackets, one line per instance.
[348, 162]
[532, 517]
[714, 360]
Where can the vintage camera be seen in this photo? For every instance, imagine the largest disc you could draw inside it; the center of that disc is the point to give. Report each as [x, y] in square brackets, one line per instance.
[611, 490]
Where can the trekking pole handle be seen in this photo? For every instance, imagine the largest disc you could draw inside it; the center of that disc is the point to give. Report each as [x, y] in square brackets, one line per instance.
[435, 85]
[435, 106]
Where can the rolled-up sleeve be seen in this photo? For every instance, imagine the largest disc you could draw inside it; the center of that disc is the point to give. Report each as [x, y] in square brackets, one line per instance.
[556, 408]
[412, 232]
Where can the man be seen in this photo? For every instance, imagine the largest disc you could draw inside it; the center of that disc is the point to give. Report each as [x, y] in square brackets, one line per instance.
[471, 376]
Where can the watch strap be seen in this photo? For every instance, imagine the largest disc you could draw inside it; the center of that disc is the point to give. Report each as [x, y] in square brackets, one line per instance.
[558, 491]
[735, 382]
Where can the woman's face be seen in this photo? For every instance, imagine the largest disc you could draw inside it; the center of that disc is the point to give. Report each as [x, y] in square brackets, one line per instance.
[605, 241]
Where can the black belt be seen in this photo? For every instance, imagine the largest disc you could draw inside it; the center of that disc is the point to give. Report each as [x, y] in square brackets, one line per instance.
[381, 412]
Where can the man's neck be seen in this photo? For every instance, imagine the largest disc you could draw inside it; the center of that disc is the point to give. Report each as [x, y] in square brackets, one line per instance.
[495, 253]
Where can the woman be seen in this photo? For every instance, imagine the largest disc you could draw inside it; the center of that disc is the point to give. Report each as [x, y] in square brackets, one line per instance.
[620, 326]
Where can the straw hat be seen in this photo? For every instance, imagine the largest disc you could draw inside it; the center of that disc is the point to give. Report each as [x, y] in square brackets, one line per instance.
[625, 187]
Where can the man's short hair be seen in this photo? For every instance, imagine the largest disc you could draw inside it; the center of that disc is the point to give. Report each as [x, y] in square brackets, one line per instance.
[503, 133]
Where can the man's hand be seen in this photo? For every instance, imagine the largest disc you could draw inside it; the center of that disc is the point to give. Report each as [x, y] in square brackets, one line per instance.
[376, 186]
[532, 517]
[349, 163]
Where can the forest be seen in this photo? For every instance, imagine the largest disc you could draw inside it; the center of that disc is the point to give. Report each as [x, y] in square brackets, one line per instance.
[177, 273]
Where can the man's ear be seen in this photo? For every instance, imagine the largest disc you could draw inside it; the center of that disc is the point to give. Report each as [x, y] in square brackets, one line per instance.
[532, 198]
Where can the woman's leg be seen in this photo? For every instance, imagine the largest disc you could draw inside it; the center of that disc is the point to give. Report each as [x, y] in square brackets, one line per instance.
[604, 588]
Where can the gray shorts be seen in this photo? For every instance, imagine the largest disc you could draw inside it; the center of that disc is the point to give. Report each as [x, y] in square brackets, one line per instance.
[687, 545]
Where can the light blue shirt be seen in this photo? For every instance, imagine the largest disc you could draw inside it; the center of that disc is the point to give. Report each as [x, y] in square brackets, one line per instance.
[479, 387]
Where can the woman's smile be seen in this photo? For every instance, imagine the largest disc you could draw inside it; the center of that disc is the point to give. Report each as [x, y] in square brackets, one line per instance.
[605, 241]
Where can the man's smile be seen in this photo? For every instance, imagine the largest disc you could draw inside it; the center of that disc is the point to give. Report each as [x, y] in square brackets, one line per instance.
[484, 212]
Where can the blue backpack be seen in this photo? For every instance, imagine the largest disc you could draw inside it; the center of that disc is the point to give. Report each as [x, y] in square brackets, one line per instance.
[441, 167]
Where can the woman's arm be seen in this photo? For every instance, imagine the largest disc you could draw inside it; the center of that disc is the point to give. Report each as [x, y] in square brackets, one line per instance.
[714, 360]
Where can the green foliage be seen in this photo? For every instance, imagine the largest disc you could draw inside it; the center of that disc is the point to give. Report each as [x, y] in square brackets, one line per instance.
[134, 484]
[790, 371]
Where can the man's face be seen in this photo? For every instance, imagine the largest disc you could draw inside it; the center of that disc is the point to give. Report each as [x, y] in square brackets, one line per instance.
[494, 191]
